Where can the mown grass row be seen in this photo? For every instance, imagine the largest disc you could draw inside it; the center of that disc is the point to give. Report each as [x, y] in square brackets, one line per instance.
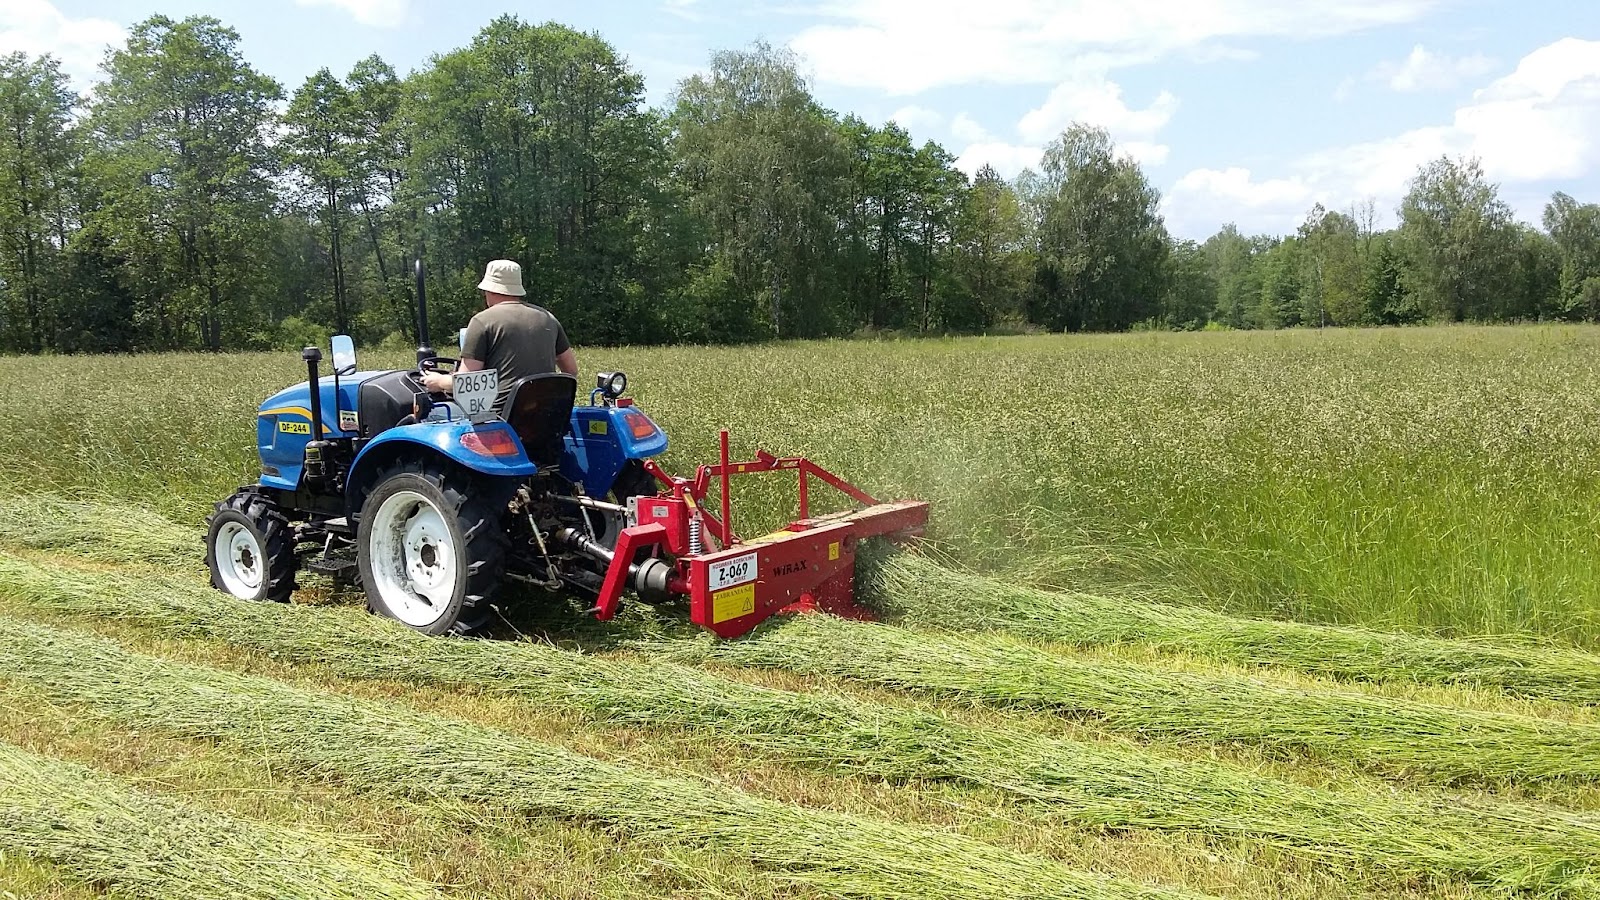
[388, 750]
[927, 594]
[469, 855]
[95, 530]
[1084, 782]
[146, 845]
[1389, 736]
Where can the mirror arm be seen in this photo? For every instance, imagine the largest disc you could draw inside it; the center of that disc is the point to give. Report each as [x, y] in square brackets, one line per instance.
[348, 368]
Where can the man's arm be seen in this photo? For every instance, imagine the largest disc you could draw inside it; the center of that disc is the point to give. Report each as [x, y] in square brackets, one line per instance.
[439, 383]
[474, 350]
[566, 360]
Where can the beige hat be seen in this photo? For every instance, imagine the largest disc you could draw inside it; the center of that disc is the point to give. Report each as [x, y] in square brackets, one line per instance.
[502, 276]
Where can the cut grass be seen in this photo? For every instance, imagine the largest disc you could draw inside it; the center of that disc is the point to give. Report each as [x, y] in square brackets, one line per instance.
[927, 594]
[388, 750]
[1083, 782]
[1389, 736]
[451, 845]
[146, 845]
[492, 855]
[26, 878]
[118, 533]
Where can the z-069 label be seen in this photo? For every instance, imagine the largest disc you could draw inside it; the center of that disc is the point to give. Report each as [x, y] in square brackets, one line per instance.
[731, 572]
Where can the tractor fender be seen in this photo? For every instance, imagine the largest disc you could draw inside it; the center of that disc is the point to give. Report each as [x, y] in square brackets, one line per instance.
[443, 440]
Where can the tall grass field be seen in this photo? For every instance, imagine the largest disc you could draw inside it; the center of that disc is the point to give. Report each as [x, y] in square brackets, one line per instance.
[1302, 614]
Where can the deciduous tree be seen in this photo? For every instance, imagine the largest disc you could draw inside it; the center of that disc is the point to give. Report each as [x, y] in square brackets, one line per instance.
[1459, 241]
[1102, 244]
[39, 149]
[184, 168]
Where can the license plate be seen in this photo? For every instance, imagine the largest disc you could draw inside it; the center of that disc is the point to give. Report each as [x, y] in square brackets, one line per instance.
[475, 392]
[733, 572]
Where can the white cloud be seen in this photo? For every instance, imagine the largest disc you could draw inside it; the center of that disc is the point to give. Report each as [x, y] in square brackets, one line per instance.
[36, 27]
[1096, 101]
[917, 118]
[1088, 97]
[380, 13]
[1542, 121]
[908, 46]
[1236, 186]
[1203, 200]
[966, 128]
[1007, 159]
[1539, 123]
[1424, 70]
[683, 9]
[1146, 153]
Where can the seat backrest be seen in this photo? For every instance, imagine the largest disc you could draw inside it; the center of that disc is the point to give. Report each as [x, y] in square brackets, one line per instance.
[539, 410]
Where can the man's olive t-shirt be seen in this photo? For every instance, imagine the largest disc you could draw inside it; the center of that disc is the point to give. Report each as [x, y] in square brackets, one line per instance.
[516, 338]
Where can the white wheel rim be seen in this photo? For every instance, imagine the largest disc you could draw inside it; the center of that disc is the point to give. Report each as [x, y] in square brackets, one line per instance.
[240, 562]
[413, 559]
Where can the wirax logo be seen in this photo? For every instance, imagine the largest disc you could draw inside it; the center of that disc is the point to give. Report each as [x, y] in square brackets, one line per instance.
[790, 568]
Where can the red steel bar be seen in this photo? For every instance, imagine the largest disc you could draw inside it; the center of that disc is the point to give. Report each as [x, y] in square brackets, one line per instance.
[727, 505]
[805, 496]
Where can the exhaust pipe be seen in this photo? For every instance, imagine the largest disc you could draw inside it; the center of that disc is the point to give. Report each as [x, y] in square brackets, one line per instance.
[424, 345]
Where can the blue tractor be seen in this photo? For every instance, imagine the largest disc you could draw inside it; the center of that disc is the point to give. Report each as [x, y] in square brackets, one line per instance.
[428, 502]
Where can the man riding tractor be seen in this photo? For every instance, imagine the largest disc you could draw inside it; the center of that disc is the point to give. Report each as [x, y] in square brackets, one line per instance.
[511, 335]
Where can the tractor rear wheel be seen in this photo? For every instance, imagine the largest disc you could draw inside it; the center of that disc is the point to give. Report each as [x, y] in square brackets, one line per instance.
[250, 548]
[431, 548]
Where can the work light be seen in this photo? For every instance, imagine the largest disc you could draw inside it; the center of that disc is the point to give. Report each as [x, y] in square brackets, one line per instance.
[612, 384]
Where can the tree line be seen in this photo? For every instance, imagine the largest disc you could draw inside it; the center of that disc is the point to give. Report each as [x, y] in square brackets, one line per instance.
[190, 202]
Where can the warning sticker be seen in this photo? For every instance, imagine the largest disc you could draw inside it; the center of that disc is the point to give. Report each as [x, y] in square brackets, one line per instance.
[733, 603]
[833, 551]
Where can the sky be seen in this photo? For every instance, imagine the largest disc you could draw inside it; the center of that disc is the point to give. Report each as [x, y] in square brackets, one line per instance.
[1243, 111]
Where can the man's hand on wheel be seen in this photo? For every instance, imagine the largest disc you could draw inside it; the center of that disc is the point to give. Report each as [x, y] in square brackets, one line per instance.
[436, 382]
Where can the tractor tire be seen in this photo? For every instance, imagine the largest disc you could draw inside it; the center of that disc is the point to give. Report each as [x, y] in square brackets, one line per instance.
[431, 547]
[250, 548]
[633, 481]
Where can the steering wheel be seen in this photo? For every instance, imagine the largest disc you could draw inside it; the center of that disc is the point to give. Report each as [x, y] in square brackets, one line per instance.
[431, 364]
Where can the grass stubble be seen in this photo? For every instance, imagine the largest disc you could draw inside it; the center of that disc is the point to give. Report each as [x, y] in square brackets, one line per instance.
[1389, 736]
[1085, 783]
[141, 844]
[383, 749]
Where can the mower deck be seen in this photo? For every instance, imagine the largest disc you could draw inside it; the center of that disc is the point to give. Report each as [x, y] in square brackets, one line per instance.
[808, 565]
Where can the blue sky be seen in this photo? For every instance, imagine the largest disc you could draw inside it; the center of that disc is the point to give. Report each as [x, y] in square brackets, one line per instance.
[1246, 111]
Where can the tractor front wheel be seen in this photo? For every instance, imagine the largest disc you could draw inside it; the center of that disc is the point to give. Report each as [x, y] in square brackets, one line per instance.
[250, 548]
[430, 552]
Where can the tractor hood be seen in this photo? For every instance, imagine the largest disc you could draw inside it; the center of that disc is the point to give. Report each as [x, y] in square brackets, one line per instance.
[338, 409]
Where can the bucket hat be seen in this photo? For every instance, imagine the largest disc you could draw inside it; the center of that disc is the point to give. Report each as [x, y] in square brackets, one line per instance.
[503, 276]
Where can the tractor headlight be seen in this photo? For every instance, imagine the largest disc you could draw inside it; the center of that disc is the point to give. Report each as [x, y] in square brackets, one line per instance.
[612, 384]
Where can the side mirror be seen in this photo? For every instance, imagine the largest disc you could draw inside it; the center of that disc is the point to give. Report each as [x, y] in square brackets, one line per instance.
[344, 355]
[461, 339]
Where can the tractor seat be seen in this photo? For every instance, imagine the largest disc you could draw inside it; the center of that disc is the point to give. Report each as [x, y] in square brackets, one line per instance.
[539, 410]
